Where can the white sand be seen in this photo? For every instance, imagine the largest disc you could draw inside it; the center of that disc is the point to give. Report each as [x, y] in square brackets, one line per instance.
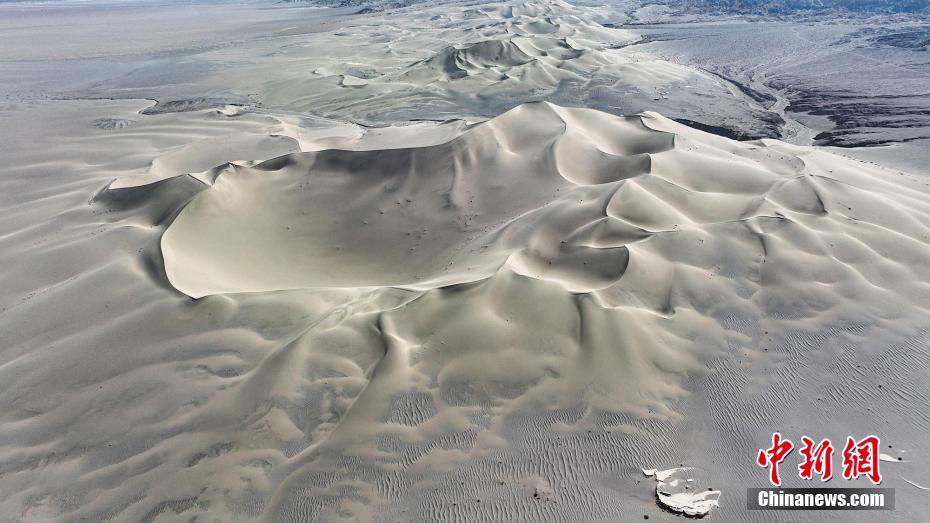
[250, 313]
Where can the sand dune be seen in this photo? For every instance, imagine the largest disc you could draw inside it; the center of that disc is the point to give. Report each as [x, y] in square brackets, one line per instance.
[438, 215]
[537, 190]
[627, 222]
[546, 258]
[465, 61]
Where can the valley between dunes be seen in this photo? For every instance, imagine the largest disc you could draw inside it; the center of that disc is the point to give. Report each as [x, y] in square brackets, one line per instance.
[237, 312]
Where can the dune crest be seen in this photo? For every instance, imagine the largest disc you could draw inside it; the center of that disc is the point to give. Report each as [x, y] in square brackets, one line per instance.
[544, 191]
[550, 257]
[439, 215]
[618, 239]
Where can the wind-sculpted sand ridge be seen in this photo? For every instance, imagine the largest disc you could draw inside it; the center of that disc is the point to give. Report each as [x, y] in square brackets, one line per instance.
[497, 56]
[464, 61]
[546, 257]
[619, 218]
[537, 186]
[585, 293]
[436, 214]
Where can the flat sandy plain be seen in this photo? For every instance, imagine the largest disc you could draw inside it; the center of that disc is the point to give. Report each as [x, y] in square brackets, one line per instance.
[445, 262]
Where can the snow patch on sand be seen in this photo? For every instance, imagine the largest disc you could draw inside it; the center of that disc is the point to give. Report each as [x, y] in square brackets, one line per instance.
[677, 491]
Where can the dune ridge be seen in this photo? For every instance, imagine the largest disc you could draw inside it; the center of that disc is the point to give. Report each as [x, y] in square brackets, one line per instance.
[479, 61]
[460, 210]
[546, 256]
[605, 292]
[623, 226]
[450, 198]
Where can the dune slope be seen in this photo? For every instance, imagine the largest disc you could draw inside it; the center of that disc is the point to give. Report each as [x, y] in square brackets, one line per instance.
[546, 258]
[440, 321]
[538, 191]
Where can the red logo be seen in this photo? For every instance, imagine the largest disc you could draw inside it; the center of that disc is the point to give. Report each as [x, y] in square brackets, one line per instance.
[819, 460]
[860, 458]
[774, 455]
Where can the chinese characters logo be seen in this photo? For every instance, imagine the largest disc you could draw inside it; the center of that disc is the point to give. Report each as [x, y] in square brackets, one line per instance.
[860, 458]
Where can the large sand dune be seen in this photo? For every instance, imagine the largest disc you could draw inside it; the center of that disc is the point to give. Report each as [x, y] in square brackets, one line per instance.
[537, 191]
[550, 260]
